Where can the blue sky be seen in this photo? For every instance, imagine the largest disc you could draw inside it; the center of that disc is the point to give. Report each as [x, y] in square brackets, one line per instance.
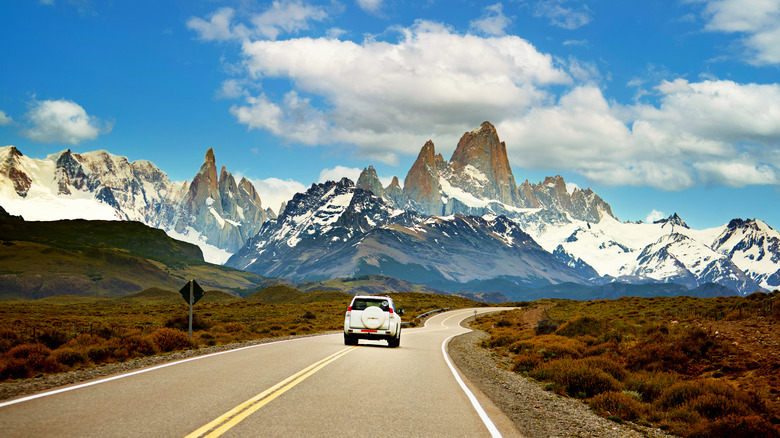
[660, 107]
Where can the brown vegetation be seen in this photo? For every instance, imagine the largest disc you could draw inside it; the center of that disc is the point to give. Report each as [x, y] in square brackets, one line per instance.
[63, 333]
[698, 367]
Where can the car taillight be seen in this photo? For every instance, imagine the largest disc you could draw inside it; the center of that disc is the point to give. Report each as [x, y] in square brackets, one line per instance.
[391, 310]
[349, 309]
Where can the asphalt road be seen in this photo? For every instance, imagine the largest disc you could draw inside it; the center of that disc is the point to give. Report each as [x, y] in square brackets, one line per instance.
[306, 387]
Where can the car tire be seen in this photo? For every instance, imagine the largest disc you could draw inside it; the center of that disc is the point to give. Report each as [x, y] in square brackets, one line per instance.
[350, 340]
[394, 342]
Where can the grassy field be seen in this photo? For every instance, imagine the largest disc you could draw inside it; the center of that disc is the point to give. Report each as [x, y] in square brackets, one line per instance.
[696, 367]
[62, 333]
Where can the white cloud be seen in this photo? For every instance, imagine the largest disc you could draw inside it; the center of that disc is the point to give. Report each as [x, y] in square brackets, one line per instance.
[217, 28]
[705, 133]
[562, 16]
[274, 191]
[62, 121]
[284, 16]
[757, 20]
[289, 16]
[339, 172]
[655, 215]
[493, 21]
[5, 120]
[371, 6]
[388, 97]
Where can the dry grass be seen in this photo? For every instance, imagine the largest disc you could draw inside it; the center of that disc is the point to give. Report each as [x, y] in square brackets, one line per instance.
[64, 333]
[651, 360]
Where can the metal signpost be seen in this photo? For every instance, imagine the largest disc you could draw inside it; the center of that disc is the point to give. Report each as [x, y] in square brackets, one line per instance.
[191, 292]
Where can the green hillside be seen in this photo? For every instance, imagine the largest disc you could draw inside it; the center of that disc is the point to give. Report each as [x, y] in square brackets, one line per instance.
[102, 258]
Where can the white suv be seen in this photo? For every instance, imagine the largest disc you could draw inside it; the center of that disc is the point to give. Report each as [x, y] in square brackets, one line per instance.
[372, 317]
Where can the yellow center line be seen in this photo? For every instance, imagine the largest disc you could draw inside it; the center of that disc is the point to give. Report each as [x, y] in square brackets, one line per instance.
[231, 418]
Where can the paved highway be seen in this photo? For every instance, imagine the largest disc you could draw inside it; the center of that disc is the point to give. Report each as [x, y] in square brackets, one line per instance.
[310, 387]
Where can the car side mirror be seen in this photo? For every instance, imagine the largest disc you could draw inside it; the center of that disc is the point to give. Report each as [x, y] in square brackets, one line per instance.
[400, 311]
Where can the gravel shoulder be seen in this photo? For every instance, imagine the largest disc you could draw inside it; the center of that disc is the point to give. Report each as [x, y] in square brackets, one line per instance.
[534, 411]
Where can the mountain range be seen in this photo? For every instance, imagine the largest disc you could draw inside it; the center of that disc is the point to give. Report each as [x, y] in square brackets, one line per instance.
[462, 224]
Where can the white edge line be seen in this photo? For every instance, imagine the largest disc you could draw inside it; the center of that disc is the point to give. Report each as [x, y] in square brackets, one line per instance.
[141, 371]
[474, 402]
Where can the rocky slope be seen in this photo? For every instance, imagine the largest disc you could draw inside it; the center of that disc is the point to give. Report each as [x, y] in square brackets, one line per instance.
[339, 230]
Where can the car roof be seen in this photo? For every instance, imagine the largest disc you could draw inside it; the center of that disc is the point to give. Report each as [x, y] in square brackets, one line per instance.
[385, 297]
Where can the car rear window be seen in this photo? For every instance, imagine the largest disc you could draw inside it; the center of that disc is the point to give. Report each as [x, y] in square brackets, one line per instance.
[362, 304]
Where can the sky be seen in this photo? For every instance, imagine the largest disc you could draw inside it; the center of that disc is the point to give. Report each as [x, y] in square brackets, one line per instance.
[658, 106]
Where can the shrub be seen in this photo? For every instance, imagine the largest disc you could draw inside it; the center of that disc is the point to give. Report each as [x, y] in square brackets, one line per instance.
[737, 426]
[651, 385]
[131, 347]
[168, 339]
[69, 357]
[309, 315]
[53, 338]
[618, 404]
[576, 377]
[182, 322]
[99, 354]
[27, 360]
[680, 393]
[581, 326]
[546, 326]
[525, 362]
[549, 346]
[610, 367]
[14, 369]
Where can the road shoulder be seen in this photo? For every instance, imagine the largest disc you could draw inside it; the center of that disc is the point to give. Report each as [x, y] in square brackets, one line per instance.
[534, 411]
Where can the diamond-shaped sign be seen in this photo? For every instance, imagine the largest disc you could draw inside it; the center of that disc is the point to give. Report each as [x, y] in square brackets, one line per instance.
[197, 292]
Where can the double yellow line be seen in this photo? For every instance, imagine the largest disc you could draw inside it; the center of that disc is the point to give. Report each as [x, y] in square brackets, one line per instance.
[231, 418]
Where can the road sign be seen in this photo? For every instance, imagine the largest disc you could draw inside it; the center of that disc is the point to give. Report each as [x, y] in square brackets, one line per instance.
[191, 292]
[197, 292]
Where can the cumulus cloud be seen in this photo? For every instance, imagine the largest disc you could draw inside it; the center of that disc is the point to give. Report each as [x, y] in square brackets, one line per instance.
[380, 94]
[5, 120]
[385, 98]
[62, 121]
[285, 16]
[655, 215]
[561, 15]
[757, 20]
[371, 6]
[493, 21]
[274, 191]
[710, 132]
[339, 172]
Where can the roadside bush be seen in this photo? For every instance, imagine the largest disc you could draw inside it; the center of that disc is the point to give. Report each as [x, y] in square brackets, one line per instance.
[69, 357]
[549, 346]
[613, 403]
[99, 354]
[182, 322]
[525, 362]
[131, 347]
[168, 339]
[650, 385]
[85, 340]
[546, 326]
[28, 360]
[53, 338]
[605, 364]
[737, 426]
[576, 377]
[680, 393]
[582, 326]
